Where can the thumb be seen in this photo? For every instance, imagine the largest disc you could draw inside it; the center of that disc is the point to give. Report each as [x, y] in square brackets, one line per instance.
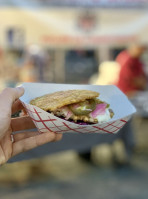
[9, 95]
[18, 92]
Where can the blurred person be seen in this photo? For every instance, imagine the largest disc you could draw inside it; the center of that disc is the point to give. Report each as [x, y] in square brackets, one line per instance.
[28, 72]
[128, 74]
[9, 70]
[12, 144]
[132, 77]
[36, 65]
[38, 58]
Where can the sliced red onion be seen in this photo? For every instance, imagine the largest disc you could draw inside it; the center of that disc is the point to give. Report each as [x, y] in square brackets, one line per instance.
[100, 110]
[75, 105]
[69, 114]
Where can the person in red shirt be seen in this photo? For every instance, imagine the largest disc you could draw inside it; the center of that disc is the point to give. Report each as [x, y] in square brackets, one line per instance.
[131, 77]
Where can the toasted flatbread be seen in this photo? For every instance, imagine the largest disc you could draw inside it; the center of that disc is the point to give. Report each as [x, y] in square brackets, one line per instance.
[53, 101]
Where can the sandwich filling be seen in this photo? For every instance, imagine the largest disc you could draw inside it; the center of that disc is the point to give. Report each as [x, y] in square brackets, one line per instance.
[89, 111]
[79, 106]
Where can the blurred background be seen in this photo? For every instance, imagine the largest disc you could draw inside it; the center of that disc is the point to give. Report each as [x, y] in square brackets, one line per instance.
[76, 42]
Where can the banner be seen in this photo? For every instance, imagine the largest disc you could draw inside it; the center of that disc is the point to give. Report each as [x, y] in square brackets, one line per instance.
[73, 28]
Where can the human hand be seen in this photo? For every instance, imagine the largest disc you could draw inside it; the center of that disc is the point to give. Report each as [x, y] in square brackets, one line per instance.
[140, 82]
[9, 104]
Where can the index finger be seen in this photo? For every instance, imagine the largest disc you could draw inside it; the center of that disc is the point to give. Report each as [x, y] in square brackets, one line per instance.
[22, 123]
[17, 106]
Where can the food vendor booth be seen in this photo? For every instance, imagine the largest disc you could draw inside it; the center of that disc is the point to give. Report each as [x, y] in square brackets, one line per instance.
[101, 27]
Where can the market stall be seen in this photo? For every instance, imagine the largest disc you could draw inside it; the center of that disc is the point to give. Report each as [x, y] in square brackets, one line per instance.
[99, 26]
[73, 25]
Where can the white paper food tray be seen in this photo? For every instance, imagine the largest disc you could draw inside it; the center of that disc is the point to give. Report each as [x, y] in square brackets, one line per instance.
[44, 121]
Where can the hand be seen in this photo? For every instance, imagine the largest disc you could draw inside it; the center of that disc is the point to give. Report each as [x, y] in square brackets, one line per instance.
[140, 82]
[9, 104]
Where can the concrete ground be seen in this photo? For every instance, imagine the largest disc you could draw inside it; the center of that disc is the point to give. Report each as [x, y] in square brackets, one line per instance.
[65, 175]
